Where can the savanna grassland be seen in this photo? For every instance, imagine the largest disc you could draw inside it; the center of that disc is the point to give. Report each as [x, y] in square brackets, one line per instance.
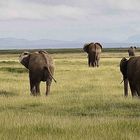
[85, 103]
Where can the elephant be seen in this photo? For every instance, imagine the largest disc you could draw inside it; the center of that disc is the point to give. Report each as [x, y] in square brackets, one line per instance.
[130, 69]
[93, 50]
[41, 68]
[131, 51]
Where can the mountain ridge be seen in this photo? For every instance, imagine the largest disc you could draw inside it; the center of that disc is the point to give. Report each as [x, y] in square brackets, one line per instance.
[15, 43]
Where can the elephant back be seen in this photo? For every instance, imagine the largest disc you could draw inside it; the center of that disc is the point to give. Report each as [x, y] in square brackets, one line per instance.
[49, 66]
[48, 59]
[40, 60]
[98, 47]
[92, 47]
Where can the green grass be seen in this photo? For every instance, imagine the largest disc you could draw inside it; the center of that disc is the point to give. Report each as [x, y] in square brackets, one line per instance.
[85, 103]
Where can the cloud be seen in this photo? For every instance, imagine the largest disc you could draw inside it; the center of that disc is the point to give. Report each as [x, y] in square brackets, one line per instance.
[124, 4]
[15, 9]
[71, 18]
[65, 9]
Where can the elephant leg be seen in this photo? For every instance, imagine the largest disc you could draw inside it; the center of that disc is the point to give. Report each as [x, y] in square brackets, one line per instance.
[38, 88]
[89, 61]
[133, 89]
[32, 85]
[92, 60]
[95, 59]
[138, 90]
[32, 89]
[47, 88]
[98, 62]
[93, 63]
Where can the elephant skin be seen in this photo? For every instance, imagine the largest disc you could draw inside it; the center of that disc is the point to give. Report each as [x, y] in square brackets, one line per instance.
[130, 70]
[131, 51]
[94, 51]
[41, 68]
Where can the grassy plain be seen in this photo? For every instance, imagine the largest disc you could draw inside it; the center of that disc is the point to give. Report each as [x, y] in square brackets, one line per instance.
[85, 103]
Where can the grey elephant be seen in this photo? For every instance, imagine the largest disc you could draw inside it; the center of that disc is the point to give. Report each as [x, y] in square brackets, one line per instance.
[130, 70]
[41, 68]
[94, 51]
[131, 51]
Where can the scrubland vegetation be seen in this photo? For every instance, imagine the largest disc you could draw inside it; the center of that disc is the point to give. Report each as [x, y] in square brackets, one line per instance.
[85, 103]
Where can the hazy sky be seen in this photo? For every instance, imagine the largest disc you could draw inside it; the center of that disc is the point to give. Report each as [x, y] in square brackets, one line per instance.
[86, 20]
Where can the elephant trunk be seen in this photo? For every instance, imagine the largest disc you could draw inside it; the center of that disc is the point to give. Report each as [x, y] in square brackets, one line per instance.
[125, 87]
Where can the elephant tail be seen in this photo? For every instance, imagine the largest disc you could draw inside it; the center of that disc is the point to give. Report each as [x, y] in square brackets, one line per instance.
[47, 64]
[50, 74]
[96, 51]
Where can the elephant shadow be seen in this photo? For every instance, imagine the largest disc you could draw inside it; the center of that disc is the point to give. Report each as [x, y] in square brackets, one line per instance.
[4, 93]
[13, 70]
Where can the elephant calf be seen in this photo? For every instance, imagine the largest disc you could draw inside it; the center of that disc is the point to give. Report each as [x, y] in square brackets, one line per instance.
[93, 50]
[41, 68]
[130, 70]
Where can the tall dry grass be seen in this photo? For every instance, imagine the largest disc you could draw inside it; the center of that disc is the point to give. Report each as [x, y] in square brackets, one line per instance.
[85, 103]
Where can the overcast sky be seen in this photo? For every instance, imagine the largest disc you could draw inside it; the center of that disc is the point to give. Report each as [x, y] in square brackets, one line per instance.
[84, 20]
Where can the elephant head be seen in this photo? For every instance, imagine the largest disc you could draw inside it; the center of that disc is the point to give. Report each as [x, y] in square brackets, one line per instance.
[123, 69]
[24, 59]
[131, 51]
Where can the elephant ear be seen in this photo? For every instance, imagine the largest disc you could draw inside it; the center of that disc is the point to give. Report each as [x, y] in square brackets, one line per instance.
[98, 44]
[123, 67]
[86, 47]
[24, 59]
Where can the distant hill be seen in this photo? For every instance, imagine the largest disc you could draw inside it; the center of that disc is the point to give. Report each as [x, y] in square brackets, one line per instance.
[13, 43]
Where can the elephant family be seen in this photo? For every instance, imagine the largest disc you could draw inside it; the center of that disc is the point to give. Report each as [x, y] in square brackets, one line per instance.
[131, 51]
[130, 70]
[93, 50]
[41, 68]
